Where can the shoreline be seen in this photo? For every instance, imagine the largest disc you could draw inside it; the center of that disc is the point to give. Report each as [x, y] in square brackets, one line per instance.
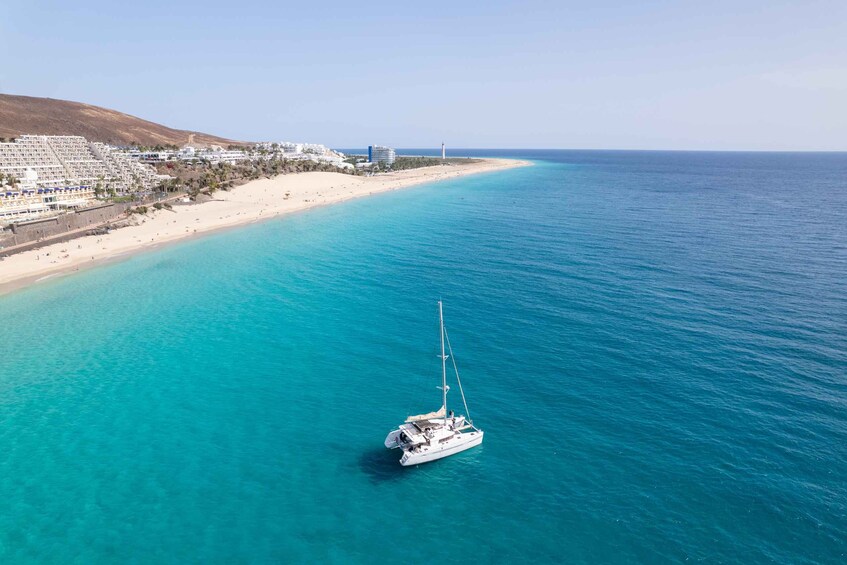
[256, 201]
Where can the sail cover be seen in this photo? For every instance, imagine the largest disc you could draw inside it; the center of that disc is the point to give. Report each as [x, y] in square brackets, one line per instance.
[438, 414]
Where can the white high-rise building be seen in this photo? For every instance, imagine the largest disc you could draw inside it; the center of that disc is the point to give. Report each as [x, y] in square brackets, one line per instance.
[382, 155]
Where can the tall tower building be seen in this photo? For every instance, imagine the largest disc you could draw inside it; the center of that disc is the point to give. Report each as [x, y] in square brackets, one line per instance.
[382, 155]
[443, 151]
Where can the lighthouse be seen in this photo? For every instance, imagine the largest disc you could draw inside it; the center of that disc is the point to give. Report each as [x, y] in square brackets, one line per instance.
[443, 151]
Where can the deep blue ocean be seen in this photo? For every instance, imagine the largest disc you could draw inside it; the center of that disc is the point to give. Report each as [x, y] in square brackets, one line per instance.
[655, 344]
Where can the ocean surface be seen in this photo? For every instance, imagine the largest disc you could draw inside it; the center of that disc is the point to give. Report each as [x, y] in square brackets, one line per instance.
[654, 343]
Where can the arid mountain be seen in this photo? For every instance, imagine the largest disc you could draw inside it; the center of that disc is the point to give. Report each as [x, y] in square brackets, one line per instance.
[46, 116]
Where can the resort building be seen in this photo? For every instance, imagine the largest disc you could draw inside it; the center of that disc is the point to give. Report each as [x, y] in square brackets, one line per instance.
[214, 155]
[153, 156]
[227, 156]
[303, 152]
[17, 203]
[51, 173]
[382, 155]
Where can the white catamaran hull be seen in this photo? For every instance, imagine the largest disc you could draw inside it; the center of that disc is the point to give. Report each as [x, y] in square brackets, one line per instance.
[427, 453]
[393, 439]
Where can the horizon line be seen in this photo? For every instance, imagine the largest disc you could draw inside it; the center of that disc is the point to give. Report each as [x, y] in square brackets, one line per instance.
[338, 148]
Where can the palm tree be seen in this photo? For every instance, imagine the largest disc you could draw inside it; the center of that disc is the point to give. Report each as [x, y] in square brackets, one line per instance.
[98, 187]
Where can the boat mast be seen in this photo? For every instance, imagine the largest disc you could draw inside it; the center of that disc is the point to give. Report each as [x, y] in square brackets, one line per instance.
[443, 362]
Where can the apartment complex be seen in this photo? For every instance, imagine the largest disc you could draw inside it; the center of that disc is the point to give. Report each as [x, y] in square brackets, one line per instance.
[26, 204]
[59, 172]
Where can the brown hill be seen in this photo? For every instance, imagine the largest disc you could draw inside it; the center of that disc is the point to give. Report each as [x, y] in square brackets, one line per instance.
[21, 115]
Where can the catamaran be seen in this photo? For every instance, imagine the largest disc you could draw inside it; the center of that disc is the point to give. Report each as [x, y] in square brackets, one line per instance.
[427, 437]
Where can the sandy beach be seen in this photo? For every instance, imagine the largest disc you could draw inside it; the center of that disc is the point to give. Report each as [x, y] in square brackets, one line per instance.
[255, 201]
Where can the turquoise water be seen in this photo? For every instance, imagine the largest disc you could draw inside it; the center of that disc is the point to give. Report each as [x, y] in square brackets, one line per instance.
[654, 344]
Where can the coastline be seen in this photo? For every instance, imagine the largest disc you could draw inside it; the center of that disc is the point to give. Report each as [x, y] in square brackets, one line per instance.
[255, 201]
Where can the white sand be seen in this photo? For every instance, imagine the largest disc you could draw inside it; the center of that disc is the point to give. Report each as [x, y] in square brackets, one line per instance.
[255, 201]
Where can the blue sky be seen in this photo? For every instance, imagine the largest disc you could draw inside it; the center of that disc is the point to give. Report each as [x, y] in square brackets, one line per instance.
[768, 75]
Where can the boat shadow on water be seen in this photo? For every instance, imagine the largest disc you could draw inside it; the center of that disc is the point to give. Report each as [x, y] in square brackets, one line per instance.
[382, 465]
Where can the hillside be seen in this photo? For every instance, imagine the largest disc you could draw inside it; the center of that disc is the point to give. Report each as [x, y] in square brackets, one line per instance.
[46, 116]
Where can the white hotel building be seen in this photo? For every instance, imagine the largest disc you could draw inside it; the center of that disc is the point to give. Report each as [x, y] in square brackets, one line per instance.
[381, 154]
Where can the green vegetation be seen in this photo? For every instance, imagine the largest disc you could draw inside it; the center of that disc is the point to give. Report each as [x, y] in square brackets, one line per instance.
[403, 163]
[99, 191]
[170, 185]
[160, 147]
[204, 177]
[8, 179]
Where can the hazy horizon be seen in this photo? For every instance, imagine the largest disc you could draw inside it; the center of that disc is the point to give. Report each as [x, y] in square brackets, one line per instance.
[762, 76]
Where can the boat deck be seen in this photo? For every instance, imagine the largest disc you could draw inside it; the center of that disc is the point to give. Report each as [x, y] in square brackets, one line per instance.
[422, 425]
